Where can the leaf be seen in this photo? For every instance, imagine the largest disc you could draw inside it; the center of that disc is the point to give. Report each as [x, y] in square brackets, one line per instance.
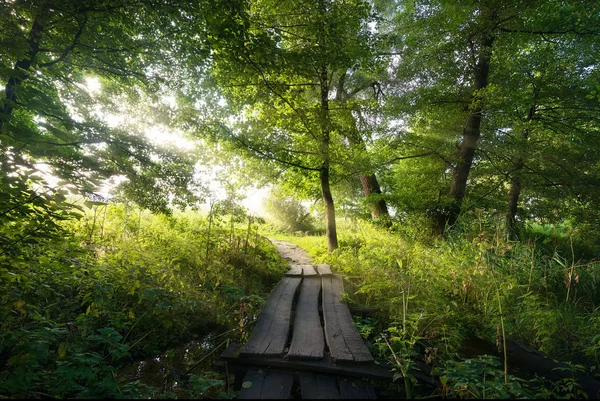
[62, 350]
[247, 384]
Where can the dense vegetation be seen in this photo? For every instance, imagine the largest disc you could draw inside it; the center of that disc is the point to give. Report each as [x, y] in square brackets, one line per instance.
[123, 285]
[448, 152]
[442, 294]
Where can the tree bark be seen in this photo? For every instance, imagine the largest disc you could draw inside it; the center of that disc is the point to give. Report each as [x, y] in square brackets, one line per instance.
[331, 229]
[513, 199]
[325, 122]
[515, 182]
[471, 134]
[370, 186]
[369, 183]
[22, 66]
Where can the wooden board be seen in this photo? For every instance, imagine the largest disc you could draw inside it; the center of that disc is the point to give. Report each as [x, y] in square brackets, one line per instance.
[308, 270]
[380, 371]
[307, 338]
[345, 344]
[353, 389]
[295, 270]
[269, 337]
[267, 384]
[324, 270]
[321, 387]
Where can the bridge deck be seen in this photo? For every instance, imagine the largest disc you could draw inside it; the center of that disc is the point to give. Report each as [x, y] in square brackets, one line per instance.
[325, 355]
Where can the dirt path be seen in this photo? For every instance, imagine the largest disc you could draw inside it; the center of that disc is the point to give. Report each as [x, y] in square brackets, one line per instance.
[293, 254]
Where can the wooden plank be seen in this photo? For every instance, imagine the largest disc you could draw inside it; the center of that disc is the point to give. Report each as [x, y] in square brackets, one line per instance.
[295, 270]
[308, 270]
[267, 384]
[353, 389]
[307, 338]
[324, 270]
[380, 371]
[321, 387]
[345, 344]
[269, 337]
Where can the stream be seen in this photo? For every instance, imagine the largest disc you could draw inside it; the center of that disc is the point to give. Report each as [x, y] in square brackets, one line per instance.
[170, 371]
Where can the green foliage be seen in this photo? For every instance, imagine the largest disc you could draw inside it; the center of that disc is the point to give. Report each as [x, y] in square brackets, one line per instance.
[310, 90]
[481, 378]
[119, 285]
[446, 291]
[289, 214]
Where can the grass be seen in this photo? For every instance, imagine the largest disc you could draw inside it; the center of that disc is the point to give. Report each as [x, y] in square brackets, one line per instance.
[473, 283]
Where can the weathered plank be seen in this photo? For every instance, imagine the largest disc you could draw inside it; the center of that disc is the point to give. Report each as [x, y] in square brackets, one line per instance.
[307, 338]
[269, 337]
[313, 387]
[345, 344]
[381, 371]
[353, 389]
[308, 270]
[295, 270]
[267, 384]
[324, 270]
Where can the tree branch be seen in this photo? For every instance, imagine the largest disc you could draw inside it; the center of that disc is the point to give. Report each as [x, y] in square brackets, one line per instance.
[69, 48]
[262, 153]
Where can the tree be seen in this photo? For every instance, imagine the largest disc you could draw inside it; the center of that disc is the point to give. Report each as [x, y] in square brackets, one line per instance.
[50, 48]
[288, 213]
[278, 82]
[449, 54]
[368, 180]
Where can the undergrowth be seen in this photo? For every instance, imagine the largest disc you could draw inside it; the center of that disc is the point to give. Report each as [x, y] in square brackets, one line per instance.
[117, 285]
[474, 283]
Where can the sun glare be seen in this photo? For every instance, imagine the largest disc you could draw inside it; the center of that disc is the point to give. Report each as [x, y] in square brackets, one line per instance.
[92, 85]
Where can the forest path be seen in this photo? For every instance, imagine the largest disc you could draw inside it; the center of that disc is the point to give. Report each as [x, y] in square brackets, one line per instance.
[292, 253]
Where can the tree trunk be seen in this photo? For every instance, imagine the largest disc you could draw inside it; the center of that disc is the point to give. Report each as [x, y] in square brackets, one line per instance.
[331, 230]
[369, 183]
[471, 134]
[370, 186]
[513, 199]
[22, 66]
[515, 182]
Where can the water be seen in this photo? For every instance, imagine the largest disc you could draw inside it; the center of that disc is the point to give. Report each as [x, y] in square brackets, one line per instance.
[170, 371]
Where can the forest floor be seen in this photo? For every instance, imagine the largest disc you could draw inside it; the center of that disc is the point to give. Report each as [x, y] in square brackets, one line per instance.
[291, 253]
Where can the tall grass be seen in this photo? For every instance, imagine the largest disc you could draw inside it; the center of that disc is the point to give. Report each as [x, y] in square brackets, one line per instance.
[474, 283]
[122, 284]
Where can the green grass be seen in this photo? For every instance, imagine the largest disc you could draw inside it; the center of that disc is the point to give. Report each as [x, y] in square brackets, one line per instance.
[121, 286]
[473, 283]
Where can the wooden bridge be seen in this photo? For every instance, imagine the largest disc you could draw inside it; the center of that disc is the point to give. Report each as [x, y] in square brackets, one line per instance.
[305, 339]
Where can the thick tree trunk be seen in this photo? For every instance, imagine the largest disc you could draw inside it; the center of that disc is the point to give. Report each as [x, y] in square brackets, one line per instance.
[370, 186]
[22, 67]
[471, 134]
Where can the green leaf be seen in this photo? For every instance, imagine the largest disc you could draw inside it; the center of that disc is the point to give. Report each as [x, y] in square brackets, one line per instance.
[247, 384]
[62, 351]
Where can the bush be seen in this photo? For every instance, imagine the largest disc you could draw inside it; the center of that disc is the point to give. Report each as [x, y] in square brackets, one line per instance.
[289, 214]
